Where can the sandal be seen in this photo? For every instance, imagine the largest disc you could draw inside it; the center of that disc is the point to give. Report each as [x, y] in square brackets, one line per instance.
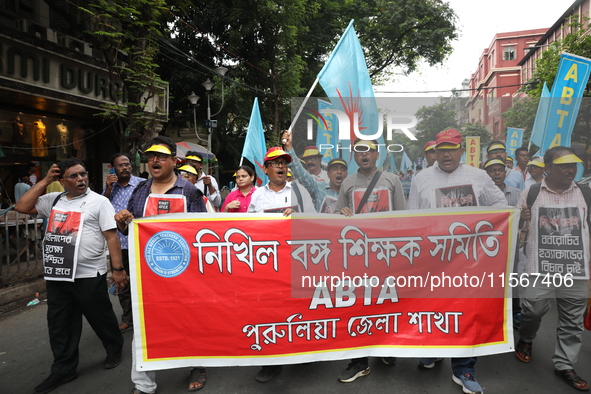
[523, 351]
[573, 380]
[197, 379]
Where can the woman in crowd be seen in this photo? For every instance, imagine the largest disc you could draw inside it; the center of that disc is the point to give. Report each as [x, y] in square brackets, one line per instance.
[239, 199]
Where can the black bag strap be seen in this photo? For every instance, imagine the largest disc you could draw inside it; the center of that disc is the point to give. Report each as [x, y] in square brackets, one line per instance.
[534, 190]
[368, 191]
[586, 190]
[298, 194]
[57, 198]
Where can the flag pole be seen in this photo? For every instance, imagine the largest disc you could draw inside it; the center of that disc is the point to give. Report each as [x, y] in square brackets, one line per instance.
[297, 115]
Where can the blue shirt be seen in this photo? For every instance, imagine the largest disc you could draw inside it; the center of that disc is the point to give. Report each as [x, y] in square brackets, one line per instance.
[515, 179]
[318, 190]
[120, 197]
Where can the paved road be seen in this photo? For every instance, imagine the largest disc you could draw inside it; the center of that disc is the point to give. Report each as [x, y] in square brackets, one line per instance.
[25, 358]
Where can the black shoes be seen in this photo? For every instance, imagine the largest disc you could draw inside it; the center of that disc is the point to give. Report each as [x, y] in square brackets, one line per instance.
[53, 382]
[112, 360]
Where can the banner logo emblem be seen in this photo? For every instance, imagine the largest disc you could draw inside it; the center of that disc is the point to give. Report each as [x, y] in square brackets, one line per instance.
[167, 254]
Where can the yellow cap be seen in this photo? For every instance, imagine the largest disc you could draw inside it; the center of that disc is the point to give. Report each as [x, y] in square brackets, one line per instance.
[159, 149]
[192, 158]
[567, 159]
[445, 145]
[496, 147]
[369, 144]
[188, 169]
[536, 162]
[493, 162]
[289, 173]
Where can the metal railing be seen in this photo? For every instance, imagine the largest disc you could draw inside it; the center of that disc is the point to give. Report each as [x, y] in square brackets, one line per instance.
[21, 257]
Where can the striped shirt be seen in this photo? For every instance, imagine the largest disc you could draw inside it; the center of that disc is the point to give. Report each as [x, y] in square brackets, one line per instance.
[572, 196]
[512, 195]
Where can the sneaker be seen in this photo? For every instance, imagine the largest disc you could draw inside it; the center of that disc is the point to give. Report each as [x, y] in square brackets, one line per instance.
[389, 360]
[53, 382]
[353, 371]
[468, 383]
[267, 373]
[428, 363]
[112, 360]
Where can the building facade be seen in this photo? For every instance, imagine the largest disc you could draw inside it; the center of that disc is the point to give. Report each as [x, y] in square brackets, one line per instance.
[498, 77]
[53, 85]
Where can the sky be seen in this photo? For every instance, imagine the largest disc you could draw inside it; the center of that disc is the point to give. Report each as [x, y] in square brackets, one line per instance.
[478, 21]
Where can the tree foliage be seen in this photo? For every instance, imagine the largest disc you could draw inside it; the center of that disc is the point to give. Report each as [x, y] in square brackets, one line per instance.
[276, 49]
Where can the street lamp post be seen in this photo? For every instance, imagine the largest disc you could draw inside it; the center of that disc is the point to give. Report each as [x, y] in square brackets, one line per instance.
[193, 98]
[208, 85]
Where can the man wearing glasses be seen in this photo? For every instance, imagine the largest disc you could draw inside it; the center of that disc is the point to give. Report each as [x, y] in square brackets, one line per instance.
[81, 221]
[161, 156]
[434, 187]
[118, 189]
[278, 196]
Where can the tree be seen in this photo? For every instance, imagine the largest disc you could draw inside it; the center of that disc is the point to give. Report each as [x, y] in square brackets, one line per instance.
[276, 49]
[522, 115]
[433, 119]
[126, 34]
[475, 130]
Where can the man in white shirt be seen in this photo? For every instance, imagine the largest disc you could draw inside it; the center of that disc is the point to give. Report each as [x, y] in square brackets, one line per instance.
[479, 189]
[88, 217]
[207, 184]
[278, 196]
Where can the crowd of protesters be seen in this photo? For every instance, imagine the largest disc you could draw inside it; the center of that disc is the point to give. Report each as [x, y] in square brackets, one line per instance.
[303, 185]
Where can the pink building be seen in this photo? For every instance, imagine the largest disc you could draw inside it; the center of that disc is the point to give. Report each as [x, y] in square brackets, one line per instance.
[498, 77]
[555, 33]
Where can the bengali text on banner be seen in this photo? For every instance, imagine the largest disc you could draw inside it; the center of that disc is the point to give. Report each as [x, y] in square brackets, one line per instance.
[251, 289]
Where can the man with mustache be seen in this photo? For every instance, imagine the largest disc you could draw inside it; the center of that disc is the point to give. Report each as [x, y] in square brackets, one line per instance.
[161, 157]
[368, 190]
[560, 211]
[324, 195]
[313, 159]
[82, 221]
[277, 196]
[478, 189]
[118, 189]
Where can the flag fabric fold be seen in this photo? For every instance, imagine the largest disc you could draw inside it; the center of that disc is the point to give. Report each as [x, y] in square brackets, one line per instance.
[347, 84]
[255, 146]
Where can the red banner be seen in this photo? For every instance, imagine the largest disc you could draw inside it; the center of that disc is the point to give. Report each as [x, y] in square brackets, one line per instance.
[247, 289]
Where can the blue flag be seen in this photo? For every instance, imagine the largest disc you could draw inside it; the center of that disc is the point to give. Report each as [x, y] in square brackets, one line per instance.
[406, 162]
[567, 93]
[255, 146]
[537, 132]
[327, 135]
[345, 79]
[514, 140]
